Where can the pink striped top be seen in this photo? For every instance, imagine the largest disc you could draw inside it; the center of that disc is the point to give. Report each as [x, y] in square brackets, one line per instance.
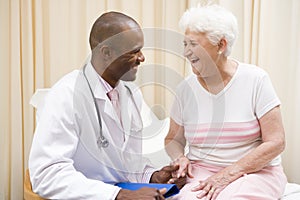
[222, 128]
[222, 133]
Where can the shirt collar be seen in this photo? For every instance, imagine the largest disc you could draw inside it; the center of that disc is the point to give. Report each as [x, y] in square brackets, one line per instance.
[105, 85]
[107, 88]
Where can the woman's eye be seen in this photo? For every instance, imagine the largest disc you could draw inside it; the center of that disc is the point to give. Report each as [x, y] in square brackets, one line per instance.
[192, 44]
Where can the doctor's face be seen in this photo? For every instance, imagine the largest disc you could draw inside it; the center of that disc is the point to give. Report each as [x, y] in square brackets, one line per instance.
[128, 55]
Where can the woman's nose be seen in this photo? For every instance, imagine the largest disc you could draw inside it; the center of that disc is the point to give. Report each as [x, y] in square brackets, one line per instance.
[187, 52]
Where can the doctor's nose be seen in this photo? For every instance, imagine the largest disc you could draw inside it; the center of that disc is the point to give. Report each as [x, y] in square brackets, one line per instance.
[140, 56]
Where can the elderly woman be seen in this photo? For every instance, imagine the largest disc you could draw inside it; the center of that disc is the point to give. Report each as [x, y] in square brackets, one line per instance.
[227, 114]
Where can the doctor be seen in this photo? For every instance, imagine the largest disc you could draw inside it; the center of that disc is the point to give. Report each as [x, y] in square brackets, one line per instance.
[87, 138]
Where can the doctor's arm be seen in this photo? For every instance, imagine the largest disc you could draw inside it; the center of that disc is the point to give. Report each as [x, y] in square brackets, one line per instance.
[51, 167]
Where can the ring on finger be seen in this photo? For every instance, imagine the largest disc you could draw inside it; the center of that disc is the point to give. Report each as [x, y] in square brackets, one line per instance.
[212, 190]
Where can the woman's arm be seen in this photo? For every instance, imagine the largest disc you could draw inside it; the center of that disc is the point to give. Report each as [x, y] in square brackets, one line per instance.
[175, 144]
[273, 144]
[175, 140]
[273, 137]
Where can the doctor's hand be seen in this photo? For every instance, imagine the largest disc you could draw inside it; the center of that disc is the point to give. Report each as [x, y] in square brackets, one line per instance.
[144, 193]
[185, 167]
[168, 174]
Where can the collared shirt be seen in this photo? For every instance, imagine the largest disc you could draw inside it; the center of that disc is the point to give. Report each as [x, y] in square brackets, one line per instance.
[107, 88]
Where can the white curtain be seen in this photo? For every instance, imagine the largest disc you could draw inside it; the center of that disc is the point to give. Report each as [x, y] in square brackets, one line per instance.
[270, 38]
[41, 40]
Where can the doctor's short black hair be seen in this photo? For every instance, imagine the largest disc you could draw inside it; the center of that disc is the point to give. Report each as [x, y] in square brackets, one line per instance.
[108, 25]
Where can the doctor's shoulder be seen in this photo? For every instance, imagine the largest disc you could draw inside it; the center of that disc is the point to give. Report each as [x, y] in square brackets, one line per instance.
[62, 91]
[66, 82]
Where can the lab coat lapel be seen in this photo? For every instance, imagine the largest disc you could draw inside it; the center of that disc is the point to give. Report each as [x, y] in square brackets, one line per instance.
[104, 101]
[125, 108]
[100, 95]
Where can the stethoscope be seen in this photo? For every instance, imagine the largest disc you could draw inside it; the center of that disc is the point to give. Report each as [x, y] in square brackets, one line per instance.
[102, 142]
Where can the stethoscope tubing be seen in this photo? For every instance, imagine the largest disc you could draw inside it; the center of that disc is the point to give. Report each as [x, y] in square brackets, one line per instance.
[103, 142]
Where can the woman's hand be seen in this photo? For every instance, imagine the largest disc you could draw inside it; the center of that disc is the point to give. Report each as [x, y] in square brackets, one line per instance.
[185, 167]
[212, 186]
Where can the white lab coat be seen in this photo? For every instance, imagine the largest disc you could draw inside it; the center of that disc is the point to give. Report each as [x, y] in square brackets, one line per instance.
[65, 161]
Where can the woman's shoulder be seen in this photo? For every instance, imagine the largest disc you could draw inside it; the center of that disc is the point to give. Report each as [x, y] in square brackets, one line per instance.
[246, 69]
[189, 81]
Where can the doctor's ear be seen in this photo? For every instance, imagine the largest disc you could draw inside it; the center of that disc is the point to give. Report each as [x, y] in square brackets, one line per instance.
[105, 51]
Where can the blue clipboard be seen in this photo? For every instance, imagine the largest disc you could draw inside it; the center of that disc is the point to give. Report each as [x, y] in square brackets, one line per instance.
[171, 188]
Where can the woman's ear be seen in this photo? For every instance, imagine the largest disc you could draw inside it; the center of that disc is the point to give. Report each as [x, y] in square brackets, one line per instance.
[222, 45]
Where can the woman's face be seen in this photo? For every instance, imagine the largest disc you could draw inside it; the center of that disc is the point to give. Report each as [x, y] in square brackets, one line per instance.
[201, 53]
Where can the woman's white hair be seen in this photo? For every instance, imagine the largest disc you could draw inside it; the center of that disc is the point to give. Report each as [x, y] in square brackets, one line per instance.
[213, 20]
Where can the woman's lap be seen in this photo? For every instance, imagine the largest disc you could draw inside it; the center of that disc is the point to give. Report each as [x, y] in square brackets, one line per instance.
[267, 184]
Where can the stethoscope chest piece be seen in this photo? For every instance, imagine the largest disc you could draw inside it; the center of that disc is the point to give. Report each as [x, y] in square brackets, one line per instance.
[102, 142]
